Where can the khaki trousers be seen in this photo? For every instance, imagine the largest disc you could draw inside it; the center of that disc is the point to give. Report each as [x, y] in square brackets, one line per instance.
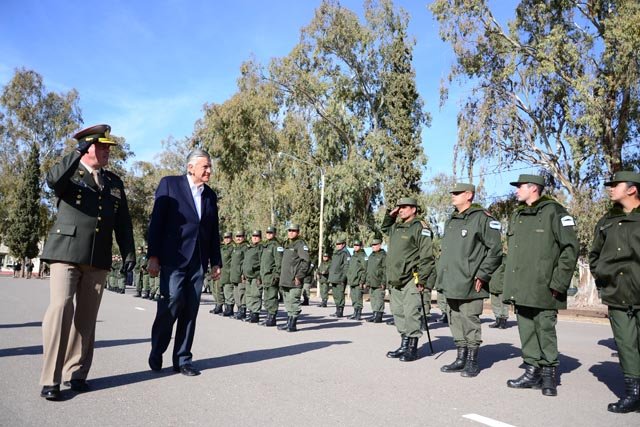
[68, 332]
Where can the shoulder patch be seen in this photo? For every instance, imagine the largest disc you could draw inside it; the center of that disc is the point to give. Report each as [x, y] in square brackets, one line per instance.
[280, 249]
[567, 221]
[305, 248]
[426, 232]
[495, 225]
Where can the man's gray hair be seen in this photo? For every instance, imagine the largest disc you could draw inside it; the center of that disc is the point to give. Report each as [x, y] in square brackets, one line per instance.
[193, 156]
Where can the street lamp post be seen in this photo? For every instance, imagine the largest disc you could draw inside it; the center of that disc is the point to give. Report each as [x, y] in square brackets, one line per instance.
[321, 219]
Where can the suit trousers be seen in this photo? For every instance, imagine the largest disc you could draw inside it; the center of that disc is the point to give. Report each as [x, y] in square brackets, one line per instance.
[180, 290]
[68, 331]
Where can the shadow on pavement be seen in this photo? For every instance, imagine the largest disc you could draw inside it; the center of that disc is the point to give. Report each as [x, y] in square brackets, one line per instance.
[37, 349]
[610, 343]
[21, 325]
[326, 325]
[610, 374]
[493, 353]
[213, 363]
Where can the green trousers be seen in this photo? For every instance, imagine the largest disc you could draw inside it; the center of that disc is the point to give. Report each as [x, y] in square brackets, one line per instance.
[145, 282]
[337, 290]
[537, 328]
[218, 292]
[442, 303]
[229, 294]
[324, 291]
[377, 299]
[155, 286]
[254, 296]
[500, 309]
[306, 289]
[240, 294]
[464, 322]
[356, 296]
[406, 308]
[137, 279]
[271, 299]
[292, 301]
[626, 332]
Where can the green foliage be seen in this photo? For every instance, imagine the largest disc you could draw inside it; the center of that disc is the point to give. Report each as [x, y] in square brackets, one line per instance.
[23, 231]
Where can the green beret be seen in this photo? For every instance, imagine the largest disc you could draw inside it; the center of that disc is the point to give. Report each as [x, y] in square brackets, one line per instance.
[294, 227]
[357, 243]
[97, 133]
[528, 179]
[271, 229]
[376, 242]
[461, 187]
[407, 201]
[257, 233]
[227, 234]
[623, 176]
[239, 233]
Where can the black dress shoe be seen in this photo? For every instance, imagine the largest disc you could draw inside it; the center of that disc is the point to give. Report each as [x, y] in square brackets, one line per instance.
[77, 385]
[187, 370]
[51, 392]
[155, 364]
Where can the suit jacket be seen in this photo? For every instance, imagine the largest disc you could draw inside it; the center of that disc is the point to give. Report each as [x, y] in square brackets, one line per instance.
[176, 232]
[87, 216]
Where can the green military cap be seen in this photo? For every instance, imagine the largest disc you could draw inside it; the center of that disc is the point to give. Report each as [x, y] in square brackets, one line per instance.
[376, 242]
[461, 187]
[238, 233]
[341, 241]
[271, 229]
[325, 255]
[97, 133]
[294, 227]
[228, 234]
[257, 233]
[407, 201]
[357, 243]
[528, 179]
[623, 176]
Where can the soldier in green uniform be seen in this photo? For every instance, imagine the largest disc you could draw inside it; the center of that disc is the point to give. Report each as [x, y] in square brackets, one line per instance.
[443, 306]
[542, 255]
[222, 304]
[376, 280]
[295, 263]
[137, 272]
[471, 252]
[307, 283]
[270, 262]
[92, 207]
[613, 261]
[356, 273]
[251, 273]
[145, 276]
[410, 270]
[338, 275]
[323, 279]
[237, 279]
[496, 286]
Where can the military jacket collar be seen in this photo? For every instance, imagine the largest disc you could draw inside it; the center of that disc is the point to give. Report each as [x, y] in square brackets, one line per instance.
[535, 206]
[617, 211]
[471, 209]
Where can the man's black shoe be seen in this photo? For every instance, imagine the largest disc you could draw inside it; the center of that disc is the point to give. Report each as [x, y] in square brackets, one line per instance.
[50, 392]
[77, 385]
[155, 364]
[187, 370]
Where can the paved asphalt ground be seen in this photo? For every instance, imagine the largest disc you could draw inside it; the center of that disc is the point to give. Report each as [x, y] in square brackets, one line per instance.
[330, 373]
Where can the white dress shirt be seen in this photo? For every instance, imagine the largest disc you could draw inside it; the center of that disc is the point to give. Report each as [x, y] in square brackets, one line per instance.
[196, 193]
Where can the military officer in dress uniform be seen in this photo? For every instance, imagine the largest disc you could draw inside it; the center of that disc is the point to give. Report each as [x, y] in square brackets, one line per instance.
[541, 259]
[338, 275]
[295, 263]
[219, 285]
[251, 273]
[376, 280]
[613, 261]
[471, 252]
[410, 270]
[92, 206]
[270, 262]
[356, 274]
[323, 279]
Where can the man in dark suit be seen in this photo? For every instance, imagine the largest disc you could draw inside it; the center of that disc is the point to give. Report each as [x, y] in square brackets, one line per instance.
[91, 207]
[184, 240]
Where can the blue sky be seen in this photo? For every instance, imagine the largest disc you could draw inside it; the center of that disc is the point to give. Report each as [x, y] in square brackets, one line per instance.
[147, 67]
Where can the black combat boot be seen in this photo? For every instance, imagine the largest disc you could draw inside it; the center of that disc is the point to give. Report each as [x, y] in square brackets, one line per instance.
[391, 322]
[373, 317]
[323, 303]
[530, 379]
[123, 290]
[630, 402]
[411, 353]
[138, 294]
[305, 300]
[242, 312]
[255, 318]
[146, 295]
[378, 318]
[339, 312]
[497, 323]
[271, 320]
[217, 309]
[357, 314]
[285, 326]
[400, 351]
[503, 323]
[471, 368]
[228, 310]
[292, 324]
[549, 381]
[247, 316]
[458, 364]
